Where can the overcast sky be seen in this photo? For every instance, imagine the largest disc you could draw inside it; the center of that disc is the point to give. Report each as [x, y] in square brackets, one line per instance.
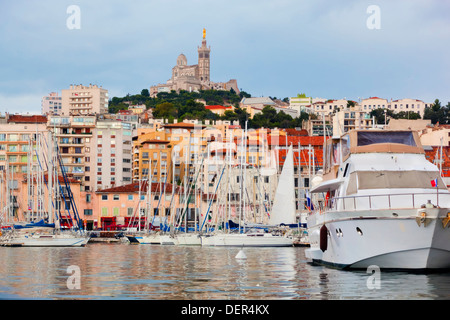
[273, 48]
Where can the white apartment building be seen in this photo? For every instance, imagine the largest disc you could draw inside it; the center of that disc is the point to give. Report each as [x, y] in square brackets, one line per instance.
[84, 100]
[112, 153]
[51, 104]
[406, 105]
[325, 108]
[413, 105]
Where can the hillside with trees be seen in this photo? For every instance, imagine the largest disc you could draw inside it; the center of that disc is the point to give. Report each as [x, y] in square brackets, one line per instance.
[186, 105]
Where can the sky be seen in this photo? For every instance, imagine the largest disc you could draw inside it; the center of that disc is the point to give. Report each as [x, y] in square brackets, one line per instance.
[323, 48]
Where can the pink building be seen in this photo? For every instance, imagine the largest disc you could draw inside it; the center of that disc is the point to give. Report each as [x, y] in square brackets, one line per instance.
[27, 206]
[119, 207]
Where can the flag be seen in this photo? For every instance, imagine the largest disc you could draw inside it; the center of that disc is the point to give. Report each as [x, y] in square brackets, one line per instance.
[434, 183]
[308, 201]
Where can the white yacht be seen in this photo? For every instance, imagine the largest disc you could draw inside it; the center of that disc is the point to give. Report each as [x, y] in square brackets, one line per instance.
[283, 213]
[248, 239]
[39, 238]
[383, 203]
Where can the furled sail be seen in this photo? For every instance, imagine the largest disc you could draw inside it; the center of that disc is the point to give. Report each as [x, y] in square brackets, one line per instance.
[283, 210]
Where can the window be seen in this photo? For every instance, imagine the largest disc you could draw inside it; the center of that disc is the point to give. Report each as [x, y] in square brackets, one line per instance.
[88, 198]
[130, 197]
[88, 212]
[104, 197]
[116, 197]
[130, 211]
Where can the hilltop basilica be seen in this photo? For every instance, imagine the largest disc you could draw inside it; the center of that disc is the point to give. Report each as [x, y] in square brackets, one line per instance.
[193, 77]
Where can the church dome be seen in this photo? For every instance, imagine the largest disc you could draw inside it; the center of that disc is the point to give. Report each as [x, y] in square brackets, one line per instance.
[181, 60]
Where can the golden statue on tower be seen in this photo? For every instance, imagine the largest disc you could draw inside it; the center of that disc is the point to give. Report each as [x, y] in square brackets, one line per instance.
[204, 33]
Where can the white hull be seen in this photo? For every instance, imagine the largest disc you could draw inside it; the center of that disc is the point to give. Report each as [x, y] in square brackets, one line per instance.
[383, 240]
[247, 240]
[188, 239]
[168, 240]
[149, 239]
[46, 241]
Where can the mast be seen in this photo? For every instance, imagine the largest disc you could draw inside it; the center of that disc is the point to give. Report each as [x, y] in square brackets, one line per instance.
[50, 177]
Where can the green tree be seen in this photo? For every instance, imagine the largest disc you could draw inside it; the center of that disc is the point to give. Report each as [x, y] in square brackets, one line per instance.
[165, 110]
[436, 113]
[379, 115]
[145, 93]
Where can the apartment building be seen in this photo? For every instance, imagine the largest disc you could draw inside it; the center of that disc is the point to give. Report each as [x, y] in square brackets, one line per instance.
[22, 141]
[51, 104]
[406, 105]
[351, 118]
[111, 153]
[84, 100]
[74, 138]
[409, 105]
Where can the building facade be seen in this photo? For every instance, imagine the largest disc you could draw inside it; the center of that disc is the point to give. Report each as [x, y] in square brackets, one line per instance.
[51, 104]
[111, 156]
[84, 100]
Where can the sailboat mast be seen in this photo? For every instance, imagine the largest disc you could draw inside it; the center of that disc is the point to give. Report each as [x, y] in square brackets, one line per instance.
[50, 177]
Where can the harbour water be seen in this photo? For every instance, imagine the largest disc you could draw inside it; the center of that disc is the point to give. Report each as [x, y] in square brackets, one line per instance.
[102, 271]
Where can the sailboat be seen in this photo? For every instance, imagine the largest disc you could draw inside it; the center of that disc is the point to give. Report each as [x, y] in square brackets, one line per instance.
[51, 233]
[283, 212]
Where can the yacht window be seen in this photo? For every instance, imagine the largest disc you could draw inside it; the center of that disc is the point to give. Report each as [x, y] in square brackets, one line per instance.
[401, 137]
[346, 169]
[397, 179]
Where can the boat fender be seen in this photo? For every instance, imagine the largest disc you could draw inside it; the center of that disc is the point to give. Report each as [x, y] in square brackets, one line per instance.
[323, 238]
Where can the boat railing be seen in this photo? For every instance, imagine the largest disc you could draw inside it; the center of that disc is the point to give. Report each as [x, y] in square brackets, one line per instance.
[388, 201]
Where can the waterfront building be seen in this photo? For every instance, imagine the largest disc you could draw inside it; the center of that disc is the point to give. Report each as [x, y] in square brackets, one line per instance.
[193, 77]
[32, 209]
[19, 135]
[111, 157]
[76, 147]
[84, 100]
[22, 144]
[51, 104]
[137, 205]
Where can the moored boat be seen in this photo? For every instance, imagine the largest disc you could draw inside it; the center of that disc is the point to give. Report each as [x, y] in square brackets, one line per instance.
[384, 204]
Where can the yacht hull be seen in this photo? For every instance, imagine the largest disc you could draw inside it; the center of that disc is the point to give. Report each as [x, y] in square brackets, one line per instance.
[356, 240]
[149, 239]
[247, 240]
[188, 239]
[47, 241]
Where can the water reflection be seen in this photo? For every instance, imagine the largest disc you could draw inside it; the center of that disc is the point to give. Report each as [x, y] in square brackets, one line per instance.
[110, 271]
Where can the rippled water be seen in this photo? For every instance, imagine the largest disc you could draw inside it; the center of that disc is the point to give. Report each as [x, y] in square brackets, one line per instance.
[123, 271]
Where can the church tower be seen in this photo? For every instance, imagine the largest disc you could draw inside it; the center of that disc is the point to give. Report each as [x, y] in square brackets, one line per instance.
[203, 60]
